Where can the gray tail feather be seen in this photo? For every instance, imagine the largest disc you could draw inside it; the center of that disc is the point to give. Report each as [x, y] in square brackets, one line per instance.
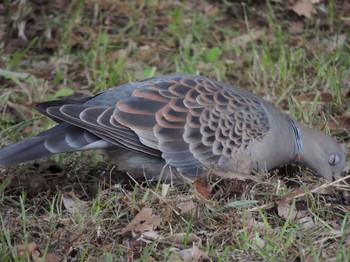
[59, 139]
[26, 150]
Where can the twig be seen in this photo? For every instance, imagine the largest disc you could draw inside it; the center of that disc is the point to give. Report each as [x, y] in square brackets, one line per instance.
[272, 204]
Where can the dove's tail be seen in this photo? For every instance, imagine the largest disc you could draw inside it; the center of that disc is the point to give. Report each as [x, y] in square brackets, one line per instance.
[59, 139]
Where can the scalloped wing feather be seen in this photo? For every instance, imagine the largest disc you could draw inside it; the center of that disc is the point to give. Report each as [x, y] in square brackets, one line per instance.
[193, 121]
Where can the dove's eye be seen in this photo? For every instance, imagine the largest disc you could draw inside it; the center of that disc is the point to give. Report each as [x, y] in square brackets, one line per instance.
[333, 159]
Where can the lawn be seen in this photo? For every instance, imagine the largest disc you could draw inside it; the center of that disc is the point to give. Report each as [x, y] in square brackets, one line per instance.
[80, 207]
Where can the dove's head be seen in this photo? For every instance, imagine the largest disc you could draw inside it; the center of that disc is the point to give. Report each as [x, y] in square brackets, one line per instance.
[322, 154]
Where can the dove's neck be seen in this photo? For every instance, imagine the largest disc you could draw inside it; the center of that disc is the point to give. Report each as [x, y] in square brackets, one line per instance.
[310, 145]
[298, 138]
[282, 144]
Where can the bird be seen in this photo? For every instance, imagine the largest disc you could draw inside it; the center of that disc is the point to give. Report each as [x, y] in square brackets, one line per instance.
[189, 123]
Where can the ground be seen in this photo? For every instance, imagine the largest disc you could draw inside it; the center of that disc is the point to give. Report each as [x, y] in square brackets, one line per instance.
[79, 207]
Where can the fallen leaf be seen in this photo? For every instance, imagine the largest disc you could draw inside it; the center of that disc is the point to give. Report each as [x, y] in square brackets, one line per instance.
[145, 220]
[252, 223]
[32, 251]
[187, 207]
[325, 97]
[120, 54]
[52, 257]
[191, 254]
[181, 238]
[74, 205]
[36, 256]
[340, 122]
[306, 221]
[202, 187]
[211, 11]
[303, 8]
[149, 236]
[284, 210]
[26, 249]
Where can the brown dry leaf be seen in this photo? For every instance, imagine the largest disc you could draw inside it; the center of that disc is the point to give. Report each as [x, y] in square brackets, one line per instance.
[50, 257]
[188, 255]
[283, 205]
[26, 249]
[284, 209]
[32, 251]
[149, 236]
[36, 256]
[341, 122]
[145, 220]
[73, 204]
[211, 11]
[176, 239]
[202, 187]
[252, 223]
[301, 216]
[303, 8]
[187, 207]
[325, 97]
[120, 53]
[179, 239]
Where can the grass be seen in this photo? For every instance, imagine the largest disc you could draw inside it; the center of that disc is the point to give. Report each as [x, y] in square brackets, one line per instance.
[85, 47]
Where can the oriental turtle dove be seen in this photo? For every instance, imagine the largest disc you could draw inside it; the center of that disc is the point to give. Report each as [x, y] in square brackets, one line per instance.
[189, 122]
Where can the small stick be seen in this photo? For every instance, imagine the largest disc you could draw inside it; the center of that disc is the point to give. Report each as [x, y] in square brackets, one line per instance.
[272, 204]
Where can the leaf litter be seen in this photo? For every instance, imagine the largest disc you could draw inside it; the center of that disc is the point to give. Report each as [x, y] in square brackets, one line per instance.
[145, 220]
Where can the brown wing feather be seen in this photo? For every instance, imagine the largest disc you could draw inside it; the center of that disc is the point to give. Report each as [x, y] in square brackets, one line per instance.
[193, 121]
